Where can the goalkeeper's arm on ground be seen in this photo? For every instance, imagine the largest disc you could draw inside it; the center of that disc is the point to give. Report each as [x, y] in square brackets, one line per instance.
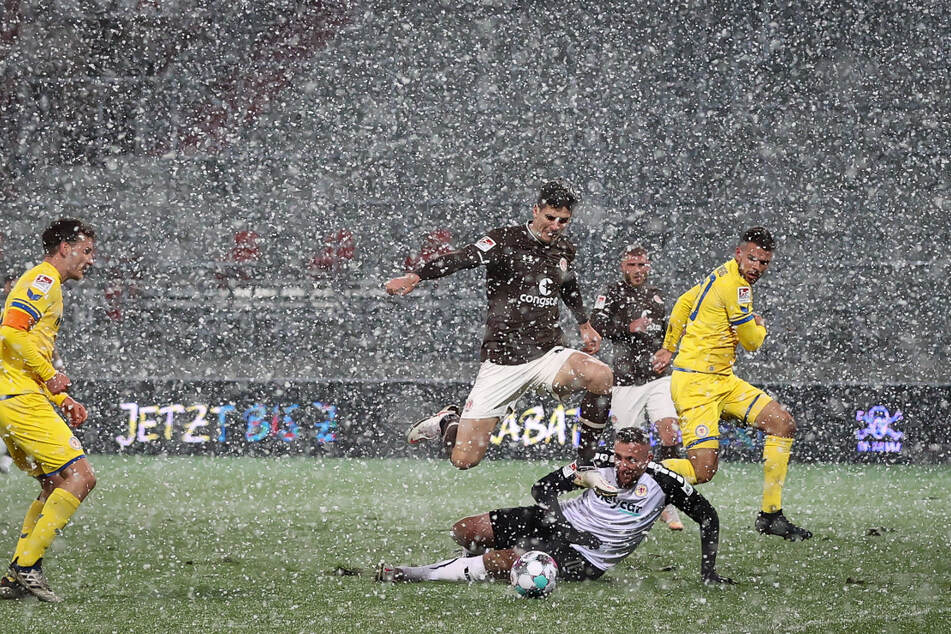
[685, 497]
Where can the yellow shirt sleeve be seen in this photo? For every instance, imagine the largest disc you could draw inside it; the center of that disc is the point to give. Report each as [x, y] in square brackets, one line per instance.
[57, 399]
[739, 307]
[678, 318]
[22, 343]
[31, 318]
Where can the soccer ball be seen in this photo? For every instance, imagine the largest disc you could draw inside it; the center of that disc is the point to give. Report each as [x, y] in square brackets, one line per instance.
[533, 574]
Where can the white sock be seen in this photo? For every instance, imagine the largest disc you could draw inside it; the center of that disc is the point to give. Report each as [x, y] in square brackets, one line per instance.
[456, 569]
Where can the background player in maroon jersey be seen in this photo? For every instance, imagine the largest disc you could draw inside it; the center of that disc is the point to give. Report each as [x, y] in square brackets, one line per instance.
[631, 314]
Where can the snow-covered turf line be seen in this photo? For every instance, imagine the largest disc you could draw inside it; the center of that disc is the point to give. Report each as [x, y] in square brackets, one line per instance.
[244, 544]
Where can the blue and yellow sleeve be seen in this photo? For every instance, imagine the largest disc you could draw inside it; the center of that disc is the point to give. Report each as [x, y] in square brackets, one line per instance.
[738, 301]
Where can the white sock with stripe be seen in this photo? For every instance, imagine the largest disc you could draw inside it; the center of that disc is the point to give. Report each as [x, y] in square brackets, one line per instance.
[455, 569]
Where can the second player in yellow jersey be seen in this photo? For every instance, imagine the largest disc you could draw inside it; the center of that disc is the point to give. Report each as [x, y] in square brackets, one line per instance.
[705, 327]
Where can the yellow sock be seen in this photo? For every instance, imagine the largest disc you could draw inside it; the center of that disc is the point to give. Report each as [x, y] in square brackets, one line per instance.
[682, 466]
[775, 463]
[59, 507]
[28, 523]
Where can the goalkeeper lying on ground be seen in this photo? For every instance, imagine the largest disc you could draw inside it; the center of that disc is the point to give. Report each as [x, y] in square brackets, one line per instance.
[587, 535]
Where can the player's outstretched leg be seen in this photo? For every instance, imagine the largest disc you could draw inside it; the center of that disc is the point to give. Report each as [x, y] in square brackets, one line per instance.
[455, 569]
[583, 372]
[780, 428]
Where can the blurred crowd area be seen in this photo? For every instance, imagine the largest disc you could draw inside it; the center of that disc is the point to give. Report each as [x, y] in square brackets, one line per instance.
[256, 170]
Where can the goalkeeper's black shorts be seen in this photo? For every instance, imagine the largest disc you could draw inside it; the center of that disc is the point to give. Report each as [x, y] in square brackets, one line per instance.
[525, 528]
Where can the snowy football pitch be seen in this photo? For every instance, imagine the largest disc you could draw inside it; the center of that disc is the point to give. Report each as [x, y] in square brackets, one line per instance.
[260, 545]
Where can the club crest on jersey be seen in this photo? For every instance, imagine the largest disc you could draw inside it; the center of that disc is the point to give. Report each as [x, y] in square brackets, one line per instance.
[744, 295]
[640, 490]
[658, 299]
[563, 264]
[600, 302]
[42, 283]
[485, 243]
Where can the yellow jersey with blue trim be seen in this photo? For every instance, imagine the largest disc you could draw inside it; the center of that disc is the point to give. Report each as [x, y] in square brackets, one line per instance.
[710, 320]
[31, 318]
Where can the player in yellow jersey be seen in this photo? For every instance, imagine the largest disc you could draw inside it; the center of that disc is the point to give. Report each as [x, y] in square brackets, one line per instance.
[708, 322]
[38, 439]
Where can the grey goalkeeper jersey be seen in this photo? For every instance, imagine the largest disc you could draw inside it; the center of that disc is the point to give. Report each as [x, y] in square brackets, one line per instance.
[620, 523]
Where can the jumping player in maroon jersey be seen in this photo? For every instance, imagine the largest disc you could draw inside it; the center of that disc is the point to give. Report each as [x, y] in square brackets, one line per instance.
[528, 271]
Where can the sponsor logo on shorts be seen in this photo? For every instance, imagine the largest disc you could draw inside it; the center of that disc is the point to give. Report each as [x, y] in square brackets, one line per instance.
[600, 302]
[43, 283]
[702, 431]
[485, 243]
[744, 295]
[640, 490]
[75, 444]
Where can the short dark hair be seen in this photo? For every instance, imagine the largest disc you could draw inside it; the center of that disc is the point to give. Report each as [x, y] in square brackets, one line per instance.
[634, 435]
[65, 230]
[634, 250]
[557, 193]
[760, 236]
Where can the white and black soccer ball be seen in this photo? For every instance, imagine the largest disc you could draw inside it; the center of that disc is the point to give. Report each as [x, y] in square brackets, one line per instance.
[533, 574]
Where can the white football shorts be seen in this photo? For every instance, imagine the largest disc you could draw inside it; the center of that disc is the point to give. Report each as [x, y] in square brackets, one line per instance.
[498, 387]
[629, 403]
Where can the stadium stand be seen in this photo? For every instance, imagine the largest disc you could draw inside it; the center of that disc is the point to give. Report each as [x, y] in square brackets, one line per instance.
[175, 125]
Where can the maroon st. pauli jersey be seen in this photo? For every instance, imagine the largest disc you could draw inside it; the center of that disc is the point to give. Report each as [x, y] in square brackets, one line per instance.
[524, 280]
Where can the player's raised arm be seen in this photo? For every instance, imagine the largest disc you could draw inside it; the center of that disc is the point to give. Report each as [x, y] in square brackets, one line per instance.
[685, 497]
[750, 330]
[468, 257]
